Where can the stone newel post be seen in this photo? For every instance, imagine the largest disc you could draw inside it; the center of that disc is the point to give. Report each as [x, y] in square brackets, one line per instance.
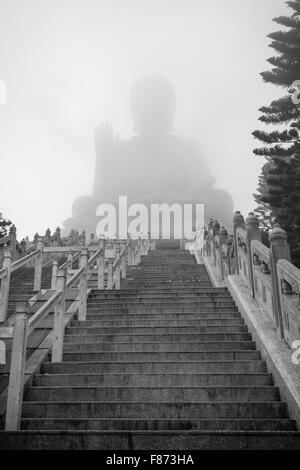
[279, 249]
[223, 241]
[238, 221]
[253, 233]
[215, 231]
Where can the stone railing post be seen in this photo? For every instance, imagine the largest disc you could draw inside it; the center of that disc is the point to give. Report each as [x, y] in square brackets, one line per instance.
[138, 251]
[23, 247]
[54, 274]
[223, 241]
[13, 243]
[210, 226]
[83, 263]
[92, 238]
[38, 266]
[110, 273]
[253, 233]
[100, 270]
[215, 231]
[59, 314]
[69, 265]
[5, 283]
[130, 254]
[17, 369]
[47, 239]
[230, 241]
[279, 249]
[238, 221]
[118, 277]
[124, 265]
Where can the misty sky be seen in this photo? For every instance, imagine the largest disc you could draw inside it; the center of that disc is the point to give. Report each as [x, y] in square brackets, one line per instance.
[69, 65]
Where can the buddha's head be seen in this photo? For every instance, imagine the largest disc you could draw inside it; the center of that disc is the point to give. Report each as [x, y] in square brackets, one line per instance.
[152, 103]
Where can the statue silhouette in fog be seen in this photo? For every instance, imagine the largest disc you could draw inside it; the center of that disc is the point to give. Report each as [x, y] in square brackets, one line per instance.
[154, 166]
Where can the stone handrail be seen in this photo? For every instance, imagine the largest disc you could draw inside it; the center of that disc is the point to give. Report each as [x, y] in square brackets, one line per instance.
[289, 293]
[272, 280]
[9, 267]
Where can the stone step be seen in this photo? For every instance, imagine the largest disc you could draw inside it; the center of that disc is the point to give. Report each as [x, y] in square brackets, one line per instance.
[166, 424]
[166, 280]
[131, 356]
[162, 310]
[230, 367]
[160, 286]
[161, 330]
[155, 380]
[192, 302]
[168, 338]
[181, 440]
[120, 296]
[158, 292]
[173, 394]
[160, 347]
[170, 316]
[154, 409]
[120, 323]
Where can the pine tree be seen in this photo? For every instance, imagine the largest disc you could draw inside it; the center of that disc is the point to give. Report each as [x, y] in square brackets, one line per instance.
[278, 194]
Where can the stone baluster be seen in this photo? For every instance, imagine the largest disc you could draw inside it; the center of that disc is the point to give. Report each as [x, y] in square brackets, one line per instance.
[69, 265]
[279, 249]
[13, 243]
[83, 263]
[23, 246]
[83, 237]
[59, 316]
[47, 238]
[118, 277]
[17, 369]
[5, 283]
[215, 232]
[238, 221]
[110, 273]
[101, 266]
[210, 226]
[124, 265]
[27, 242]
[92, 238]
[253, 233]
[223, 241]
[54, 274]
[38, 266]
[57, 239]
[230, 242]
[35, 239]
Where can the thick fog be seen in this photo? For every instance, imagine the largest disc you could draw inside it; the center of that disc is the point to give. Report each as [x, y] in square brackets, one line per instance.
[69, 65]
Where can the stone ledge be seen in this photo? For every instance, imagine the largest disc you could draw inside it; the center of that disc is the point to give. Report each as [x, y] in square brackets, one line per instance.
[273, 349]
[215, 278]
[149, 440]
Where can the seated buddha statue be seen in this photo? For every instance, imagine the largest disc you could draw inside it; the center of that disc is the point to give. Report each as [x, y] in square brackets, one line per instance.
[153, 166]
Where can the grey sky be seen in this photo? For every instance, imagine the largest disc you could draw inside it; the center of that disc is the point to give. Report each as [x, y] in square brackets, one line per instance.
[69, 64]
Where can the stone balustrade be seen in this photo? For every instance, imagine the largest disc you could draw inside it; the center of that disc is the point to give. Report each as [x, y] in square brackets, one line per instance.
[102, 257]
[272, 280]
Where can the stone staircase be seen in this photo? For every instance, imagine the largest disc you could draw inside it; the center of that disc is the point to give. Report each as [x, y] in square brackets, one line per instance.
[165, 362]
